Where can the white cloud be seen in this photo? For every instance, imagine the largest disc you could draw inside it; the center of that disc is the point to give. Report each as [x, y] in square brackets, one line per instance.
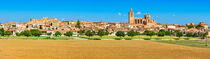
[119, 14]
[138, 13]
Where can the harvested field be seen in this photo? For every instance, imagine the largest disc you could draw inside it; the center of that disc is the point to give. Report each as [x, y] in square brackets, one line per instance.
[101, 49]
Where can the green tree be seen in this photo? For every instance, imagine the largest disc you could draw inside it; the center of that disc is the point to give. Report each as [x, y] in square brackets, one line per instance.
[145, 32]
[40, 27]
[48, 34]
[120, 34]
[2, 31]
[57, 33]
[204, 35]
[190, 26]
[162, 30]
[26, 33]
[69, 33]
[137, 33]
[8, 33]
[89, 33]
[161, 34]
[168, 33]
[150, 33]
[36, 32]
[131, 33]
[106, 33]
[199, 26]
[78, 24]
[189, 34]
[18, 34]
[101, 33]
[195, 34]
[179, 34]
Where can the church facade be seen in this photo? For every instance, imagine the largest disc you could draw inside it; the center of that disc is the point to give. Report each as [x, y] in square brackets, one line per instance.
[144, 21]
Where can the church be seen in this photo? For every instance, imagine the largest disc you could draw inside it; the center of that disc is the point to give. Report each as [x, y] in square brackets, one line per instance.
[144, 21]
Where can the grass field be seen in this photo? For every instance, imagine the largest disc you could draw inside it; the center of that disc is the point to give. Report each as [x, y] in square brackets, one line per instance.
[97, 49]
[192, 43]
[142, 37]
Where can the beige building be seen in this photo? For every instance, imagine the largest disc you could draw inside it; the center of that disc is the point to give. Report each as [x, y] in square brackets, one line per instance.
[145, 21]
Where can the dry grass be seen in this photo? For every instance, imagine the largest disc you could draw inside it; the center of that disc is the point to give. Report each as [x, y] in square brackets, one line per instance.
[75, 49]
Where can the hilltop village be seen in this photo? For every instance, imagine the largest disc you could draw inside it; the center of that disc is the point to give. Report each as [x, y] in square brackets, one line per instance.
[50, 25]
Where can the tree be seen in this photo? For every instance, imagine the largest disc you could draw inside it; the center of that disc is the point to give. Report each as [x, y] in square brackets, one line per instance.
[69, 33]
[120, 34]
[101, 33]
[162, 30]
[204, 35]
[189, 34]
[195, 35]
[40, 27]
[18, 34]
[48, 34]
[89, 33]
[137, 33]
[2, 31]
[145, 32]
[106, 33]
[57, 33]
[179, 34]
[26, 33]
[8, 33]
[169, 33]
[190, 26]
[36, 32]
[78, 24]
[161, 34]
[81, 32]
[199, 26]
[131, 33]
[150, 33]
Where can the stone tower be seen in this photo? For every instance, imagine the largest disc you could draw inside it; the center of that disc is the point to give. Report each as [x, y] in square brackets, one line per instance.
[131, 17]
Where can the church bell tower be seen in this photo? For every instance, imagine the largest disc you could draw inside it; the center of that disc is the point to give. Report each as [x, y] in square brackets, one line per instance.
[131, 17]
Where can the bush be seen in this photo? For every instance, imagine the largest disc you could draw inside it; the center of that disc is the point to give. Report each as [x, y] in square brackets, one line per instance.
[8, 33]
[89, 33]
[35, 32]
[57, 33]
[120, 34]
[26, 33]
[68, 33]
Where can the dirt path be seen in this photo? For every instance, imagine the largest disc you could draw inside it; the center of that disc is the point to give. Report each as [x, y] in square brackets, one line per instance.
[101, 49]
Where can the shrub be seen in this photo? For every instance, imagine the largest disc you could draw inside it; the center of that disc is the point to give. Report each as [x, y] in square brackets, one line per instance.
[69, 33]
[35, 32]
[8, 33]
[120, 34]
[57, 33]
[89, 33]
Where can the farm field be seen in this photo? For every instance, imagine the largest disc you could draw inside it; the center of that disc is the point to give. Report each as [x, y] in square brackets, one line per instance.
[97, 49]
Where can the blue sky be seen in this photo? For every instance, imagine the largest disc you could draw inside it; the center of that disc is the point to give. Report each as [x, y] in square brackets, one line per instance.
[163, 11]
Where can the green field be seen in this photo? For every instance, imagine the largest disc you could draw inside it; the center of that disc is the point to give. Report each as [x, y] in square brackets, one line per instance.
[141, 37]
[192, 43]
[37, 38]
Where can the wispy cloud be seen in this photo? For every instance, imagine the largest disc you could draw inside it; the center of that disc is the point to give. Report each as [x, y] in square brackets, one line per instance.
[138, 13]
[120, 14]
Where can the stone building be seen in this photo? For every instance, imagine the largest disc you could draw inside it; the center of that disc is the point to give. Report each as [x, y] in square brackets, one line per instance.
[145, 21]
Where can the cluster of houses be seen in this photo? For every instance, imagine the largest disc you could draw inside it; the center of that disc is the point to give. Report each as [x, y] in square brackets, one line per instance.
[50, 25]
